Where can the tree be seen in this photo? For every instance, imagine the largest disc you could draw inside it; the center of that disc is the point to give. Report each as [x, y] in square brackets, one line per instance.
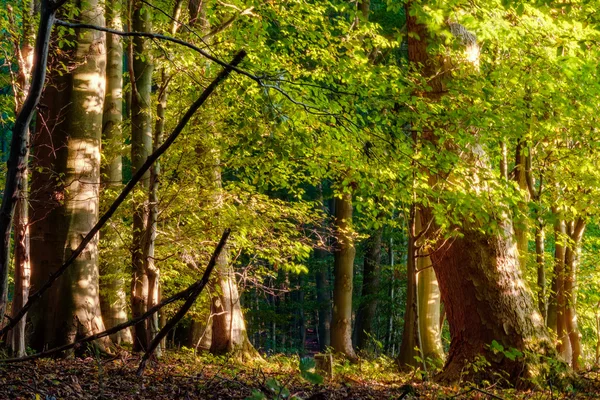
[113, 297]
[478, 267]
[343, 253]
[141, 146]
[65, 187]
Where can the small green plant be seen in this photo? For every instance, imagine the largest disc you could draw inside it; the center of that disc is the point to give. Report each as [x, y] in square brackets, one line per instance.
[511, 353]
[276, 390]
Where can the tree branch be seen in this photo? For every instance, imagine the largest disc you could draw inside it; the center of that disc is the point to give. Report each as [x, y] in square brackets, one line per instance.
[128, 188]
[191, 292]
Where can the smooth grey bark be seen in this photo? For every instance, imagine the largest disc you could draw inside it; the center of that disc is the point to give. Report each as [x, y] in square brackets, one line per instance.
[141, 146]
[113, 297]
[72, 308]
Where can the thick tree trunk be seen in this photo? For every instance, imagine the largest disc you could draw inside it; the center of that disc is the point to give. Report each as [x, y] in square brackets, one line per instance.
[64, 214]
[486, 299]
[479, 276]
[141, 146]
[410, 333]
[370, 288]
[113, 297]
[229, 335]
[341, 322]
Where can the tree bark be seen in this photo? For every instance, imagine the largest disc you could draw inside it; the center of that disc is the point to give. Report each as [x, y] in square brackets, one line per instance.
[113, 297]
[410, 334]
[65, 213]
[341, 322]
[370, 289]
[521, 224]
[22, 264]
[575, 232]
[428, 303]
[141, 145]
[480, 280]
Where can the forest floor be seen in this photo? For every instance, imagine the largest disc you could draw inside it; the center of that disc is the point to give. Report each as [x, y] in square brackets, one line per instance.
[183, 375]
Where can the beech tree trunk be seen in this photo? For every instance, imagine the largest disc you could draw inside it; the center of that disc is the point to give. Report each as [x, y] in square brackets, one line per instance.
[344, 252]
[113, 297]
[521, 224]
[485, 297]
[410, 333]
[66, 212]
[428, 303]
[575, 232]
[141, 146]
[367, 310]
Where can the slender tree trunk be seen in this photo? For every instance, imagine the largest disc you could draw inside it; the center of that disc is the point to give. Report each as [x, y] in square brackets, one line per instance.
[556, 310]
[141, 145]
[322, 286]
[521, 224]
[410, 333]
[22, 265]
[575, 232]
[341, 322]
[113, 297]
[428, 303]
[540, 260]
[70, 309]
[367, 310]
[390, 325]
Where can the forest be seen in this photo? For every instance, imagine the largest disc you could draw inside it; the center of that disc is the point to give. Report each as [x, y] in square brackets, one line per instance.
[299, 199]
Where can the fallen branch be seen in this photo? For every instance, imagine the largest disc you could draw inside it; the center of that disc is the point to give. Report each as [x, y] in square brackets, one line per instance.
[125, 192]
[191, 292]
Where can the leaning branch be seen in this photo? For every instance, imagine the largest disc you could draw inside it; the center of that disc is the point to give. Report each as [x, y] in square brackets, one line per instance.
[128, 188]
[185, 308]
[18, 146]
[191, 292]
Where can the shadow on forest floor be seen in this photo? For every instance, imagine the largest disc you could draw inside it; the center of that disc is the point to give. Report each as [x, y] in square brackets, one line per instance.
[184, 376]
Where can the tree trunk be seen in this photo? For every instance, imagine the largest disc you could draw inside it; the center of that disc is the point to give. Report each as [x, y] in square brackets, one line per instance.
[540, 260]
[575, 232]
[341, 323]
[410, 333]
[428, 303]
[480, 280]
[65, 213]
[22, 266]
[556, 308]
[113, 297]
[390, 325]
[370, 289]
[521, 224]
[141, 145]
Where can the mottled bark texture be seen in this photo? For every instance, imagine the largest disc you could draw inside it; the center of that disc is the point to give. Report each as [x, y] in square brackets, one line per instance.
[344, 252]
[428, 302]
[113, 296]
[67, 151]
[409, 348]
[141, 146]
